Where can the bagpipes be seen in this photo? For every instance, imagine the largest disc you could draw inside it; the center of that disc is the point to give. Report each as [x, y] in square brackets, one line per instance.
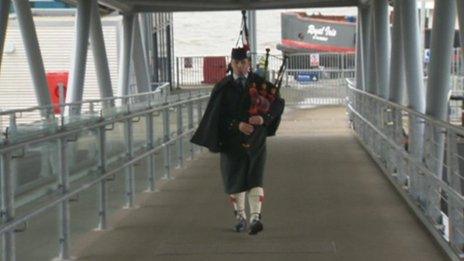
[263, 94]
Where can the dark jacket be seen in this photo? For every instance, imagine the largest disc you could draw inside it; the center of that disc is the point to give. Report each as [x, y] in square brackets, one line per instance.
[212, 132]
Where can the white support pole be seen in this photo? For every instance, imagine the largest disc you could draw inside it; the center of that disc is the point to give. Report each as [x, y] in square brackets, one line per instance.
[169, 54]
[371, 79]
[99, 53]
[156, 63]
[79, 57]
[125, 55]
[143, 27]
[438, 87]
[251, 20]
[412, 55]
[382, 46]
[149, 43]
[423, 25]
[366, 20]
[32, 48]
[397, 58]
[142, 75]
[397, 78]
[440, 70]
[4, 15]
[410, 31]
[359, 52]
[460, 8]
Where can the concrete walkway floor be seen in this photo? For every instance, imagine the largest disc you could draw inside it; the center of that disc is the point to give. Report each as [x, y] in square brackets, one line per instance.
[325, 200]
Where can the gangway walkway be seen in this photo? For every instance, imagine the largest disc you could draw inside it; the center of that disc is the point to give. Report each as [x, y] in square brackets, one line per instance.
[325, 200]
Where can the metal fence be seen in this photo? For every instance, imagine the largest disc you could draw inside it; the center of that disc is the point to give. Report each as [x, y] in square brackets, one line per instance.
[422, 157]
[200, 71]
[310, 79]
[457, 64]
[317, 79]
[456, 108]
[35, 117]
[72, 157]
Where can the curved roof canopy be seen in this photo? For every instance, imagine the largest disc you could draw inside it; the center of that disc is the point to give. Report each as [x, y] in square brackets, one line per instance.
[217, 5]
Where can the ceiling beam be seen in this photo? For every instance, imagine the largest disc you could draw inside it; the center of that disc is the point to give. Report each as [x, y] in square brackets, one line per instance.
[118, 5]
[204, 5]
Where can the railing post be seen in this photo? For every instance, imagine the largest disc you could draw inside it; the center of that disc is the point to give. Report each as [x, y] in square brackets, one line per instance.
[63, 210]
[200, 115]
[180, 139]
[399, 138]
[167, 147]
[178, 72]
[190, 124]
[102, 222]
[343, 65]
[151, 159]
[130, 179]
[286, 79]
[8, 211]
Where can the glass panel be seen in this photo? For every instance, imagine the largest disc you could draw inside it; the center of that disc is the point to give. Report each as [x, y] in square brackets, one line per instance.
[35, 172]
[116, 150]
[83, 154]
[84, 214]
[115, 145]
[139, 134]
[40, 240]
[158, 128]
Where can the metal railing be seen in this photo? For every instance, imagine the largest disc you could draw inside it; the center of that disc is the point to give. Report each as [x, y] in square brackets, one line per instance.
[457, 66]
[317, 79]
[423, 158]
[88, 151]
[456, 108]
[32, 117]
[327, 89]
[201, 71]
[311, 78]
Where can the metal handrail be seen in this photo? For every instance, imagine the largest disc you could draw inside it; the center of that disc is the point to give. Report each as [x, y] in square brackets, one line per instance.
[8, 147]
[61, 198]
[419, 163]
[418, 173]
[87, 101]
[62, 195]
[441, 123]
[416, 208]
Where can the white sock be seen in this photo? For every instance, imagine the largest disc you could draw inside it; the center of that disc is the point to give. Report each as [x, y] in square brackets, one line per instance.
[255, 199]
[238, 202]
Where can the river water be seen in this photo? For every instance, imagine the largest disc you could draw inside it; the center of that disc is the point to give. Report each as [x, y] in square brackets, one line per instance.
[215, 33]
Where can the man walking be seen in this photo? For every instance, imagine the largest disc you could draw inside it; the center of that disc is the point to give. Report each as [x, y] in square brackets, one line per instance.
[225, 128]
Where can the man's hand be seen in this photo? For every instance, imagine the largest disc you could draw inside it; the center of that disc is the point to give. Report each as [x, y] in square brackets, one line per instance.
[256, 120]
[246, 128]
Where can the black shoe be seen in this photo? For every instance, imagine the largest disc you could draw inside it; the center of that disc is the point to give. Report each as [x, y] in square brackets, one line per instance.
[255, 227]
[241, 225]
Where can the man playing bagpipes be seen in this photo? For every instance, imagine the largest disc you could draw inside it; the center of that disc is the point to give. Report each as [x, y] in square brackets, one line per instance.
[236, 125]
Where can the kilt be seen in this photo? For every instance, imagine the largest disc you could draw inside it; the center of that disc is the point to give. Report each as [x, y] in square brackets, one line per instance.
[244, 170]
